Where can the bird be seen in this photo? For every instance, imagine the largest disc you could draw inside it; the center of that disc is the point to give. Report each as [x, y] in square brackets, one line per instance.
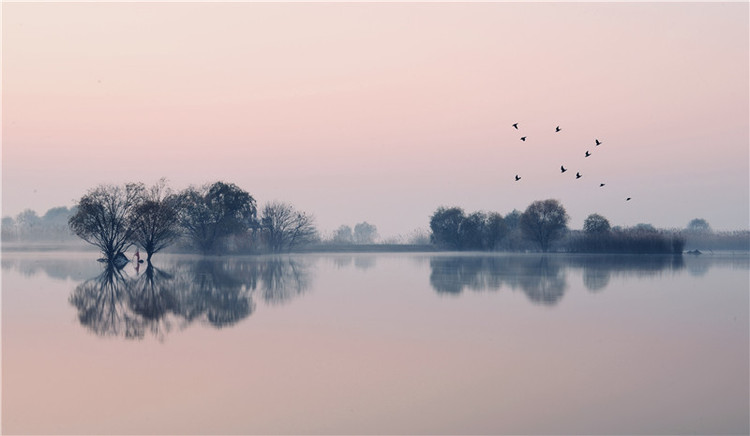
[587, 153]
[517, 178]
[627, 199]
[601, 184]
[523, 138]
[557, 129]
[516, 126]
[563, 169]
[598, 142]
[578, 175]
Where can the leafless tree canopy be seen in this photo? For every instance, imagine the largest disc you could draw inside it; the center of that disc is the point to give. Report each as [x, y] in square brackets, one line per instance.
[155, 219]
[284, 227]
[102, 217]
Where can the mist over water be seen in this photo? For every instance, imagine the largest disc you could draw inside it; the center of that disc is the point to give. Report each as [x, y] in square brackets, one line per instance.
[376, 343]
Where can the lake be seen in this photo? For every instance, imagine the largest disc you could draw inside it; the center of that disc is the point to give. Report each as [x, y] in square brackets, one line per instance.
[376, 344]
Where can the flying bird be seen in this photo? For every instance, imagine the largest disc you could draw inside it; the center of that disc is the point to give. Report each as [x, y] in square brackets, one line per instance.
[523, 138]
[557, 129]
[601, 184]
[563, 169]
[587, 153]
[516, 126]
[598, 142]
[627, 199]
[518, 178]
[578, 175]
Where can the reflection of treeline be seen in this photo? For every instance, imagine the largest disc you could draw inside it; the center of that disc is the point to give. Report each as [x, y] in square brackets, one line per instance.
[541, 277]
[219, 293]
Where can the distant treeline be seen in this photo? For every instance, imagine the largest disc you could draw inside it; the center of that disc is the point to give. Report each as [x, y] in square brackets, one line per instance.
[543, 227]
[222, 218]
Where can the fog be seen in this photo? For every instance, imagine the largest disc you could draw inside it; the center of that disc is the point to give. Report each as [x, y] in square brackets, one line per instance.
[384, 112]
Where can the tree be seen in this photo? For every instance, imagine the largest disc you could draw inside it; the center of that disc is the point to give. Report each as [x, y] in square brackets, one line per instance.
[698, 225]
[28, 223]
[284, 227]
[543, 222]
[155, 219]
[596, 224]
[343, 235]
[644, 228]
[445, 223]
[496, 229]
[214, 212]
[365, 233]
[472, 230]
[9, 231]
[102, 217]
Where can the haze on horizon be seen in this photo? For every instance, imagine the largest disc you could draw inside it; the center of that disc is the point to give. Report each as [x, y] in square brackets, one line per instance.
[383, 112]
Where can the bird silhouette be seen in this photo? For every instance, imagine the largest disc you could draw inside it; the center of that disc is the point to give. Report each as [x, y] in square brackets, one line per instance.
[563, 169]
[627, 199]
[587, 153]
[598, 142]
[557, 129]
[523, 138]
[517, 178]
[601, 184]
[578, 175]
[516, 126]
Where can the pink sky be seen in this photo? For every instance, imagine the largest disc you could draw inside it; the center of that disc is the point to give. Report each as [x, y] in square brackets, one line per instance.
[383, 112]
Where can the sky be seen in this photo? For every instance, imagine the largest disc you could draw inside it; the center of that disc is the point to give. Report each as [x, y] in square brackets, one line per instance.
[384, 112]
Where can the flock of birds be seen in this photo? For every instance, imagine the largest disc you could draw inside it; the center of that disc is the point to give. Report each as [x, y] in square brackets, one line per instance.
[562, 167]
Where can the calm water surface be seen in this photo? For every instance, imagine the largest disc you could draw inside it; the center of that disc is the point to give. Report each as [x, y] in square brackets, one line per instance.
[402, 343]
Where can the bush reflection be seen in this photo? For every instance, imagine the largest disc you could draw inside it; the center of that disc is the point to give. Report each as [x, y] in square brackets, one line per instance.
[542, 278]
[219, 293]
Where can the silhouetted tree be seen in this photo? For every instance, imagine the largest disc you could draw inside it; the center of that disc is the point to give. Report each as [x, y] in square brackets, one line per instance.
[214, 212]
[445, 223]
[102, 217]
[284, 227]
[365, 233]
[472, 230]
[495, 230]
[643, 228]
[544, 222]
[698, 225]
[155, 219]
[596, 224]
[343, 235]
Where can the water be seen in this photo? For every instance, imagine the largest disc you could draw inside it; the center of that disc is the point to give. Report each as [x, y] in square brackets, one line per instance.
[381, 343]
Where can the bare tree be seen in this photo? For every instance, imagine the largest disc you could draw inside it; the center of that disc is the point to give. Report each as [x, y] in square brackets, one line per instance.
[544, 221]
[284, 227]
[102, 217]
[155, 219]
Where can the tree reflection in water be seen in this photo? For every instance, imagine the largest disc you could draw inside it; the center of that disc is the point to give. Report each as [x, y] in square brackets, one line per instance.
[541, 277]
[212, 291]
